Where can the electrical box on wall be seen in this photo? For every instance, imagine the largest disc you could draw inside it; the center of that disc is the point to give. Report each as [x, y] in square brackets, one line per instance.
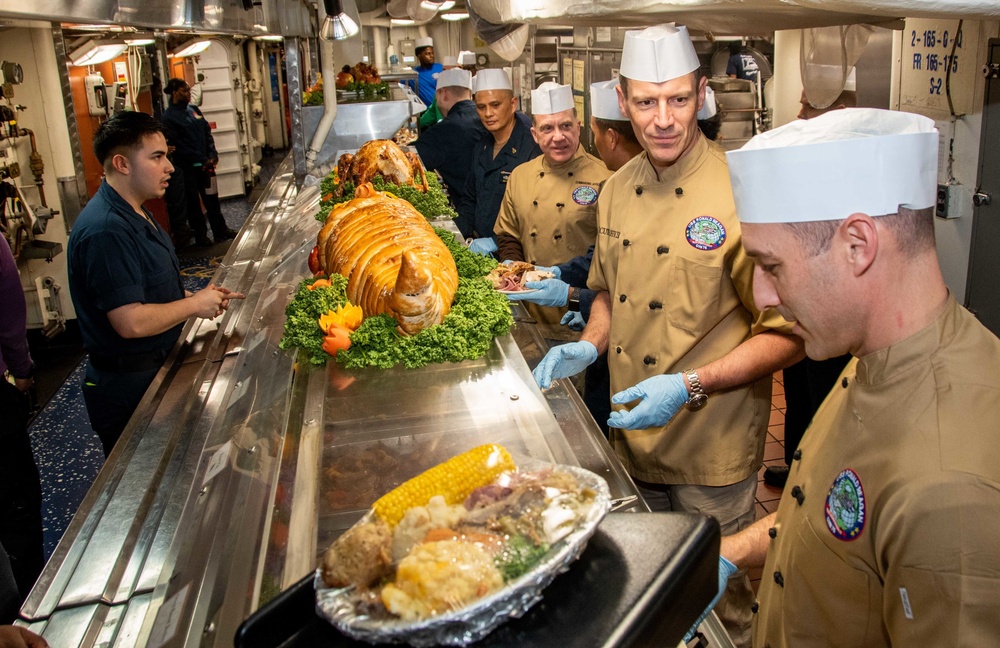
[406, 47]
[953, 201]
[97, 95]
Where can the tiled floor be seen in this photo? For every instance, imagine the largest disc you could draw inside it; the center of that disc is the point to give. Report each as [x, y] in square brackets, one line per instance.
[774, 455]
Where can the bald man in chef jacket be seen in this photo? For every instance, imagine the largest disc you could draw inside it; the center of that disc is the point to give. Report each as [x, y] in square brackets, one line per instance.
[887, 533]
[691, 356]
[549, 210]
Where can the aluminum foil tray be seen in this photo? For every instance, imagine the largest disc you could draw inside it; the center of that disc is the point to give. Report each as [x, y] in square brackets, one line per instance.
[472, 623]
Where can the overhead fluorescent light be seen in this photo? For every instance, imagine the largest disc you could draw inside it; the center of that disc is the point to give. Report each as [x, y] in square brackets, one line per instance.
[457, 15]
[337, 25]
[269, 37]
[92, 52]
[191, 48]
[403, 22]
[139, 42]
[446, 5]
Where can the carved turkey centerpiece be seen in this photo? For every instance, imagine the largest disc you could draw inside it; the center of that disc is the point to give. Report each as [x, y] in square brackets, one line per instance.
[380, 158]
[393, 260]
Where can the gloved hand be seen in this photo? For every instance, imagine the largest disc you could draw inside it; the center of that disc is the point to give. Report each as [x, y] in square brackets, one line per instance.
[485, 246]
[661, 398]
[548, 292]
[726, 569]
[556, 270]
[508, 262]
[564, 360]
[574, 320]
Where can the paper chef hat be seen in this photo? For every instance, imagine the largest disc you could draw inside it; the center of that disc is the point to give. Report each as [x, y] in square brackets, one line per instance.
[465, 57]
[551, 98]
[708, 109]
[846, 161]
[604, 101]
[424, 42]
[450, 61]
[455, 77]
[658, 54]
[491, 79]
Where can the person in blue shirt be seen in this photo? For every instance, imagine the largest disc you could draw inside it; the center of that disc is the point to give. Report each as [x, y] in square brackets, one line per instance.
[448, 146]
[510, 143]
[741, 64]
[124, 276]
[427, 71]
[190, 135]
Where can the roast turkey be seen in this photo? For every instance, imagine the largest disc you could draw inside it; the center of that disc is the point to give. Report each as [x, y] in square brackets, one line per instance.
[380, 158]
[393, 260]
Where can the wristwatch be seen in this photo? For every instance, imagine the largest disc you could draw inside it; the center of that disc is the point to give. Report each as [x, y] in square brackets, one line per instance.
[573, 301]
[697, 398]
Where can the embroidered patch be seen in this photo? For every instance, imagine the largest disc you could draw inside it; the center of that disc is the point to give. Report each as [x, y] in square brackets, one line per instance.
[435, 75]
[705, 233]
[845, 506]
[504, 176]
[585, 195]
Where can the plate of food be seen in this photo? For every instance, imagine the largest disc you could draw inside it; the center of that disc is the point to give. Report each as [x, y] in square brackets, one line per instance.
[512, 277]
[454, 552]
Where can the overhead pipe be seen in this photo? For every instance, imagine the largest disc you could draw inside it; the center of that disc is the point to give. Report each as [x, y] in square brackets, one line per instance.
[379, 40]
[329, 95]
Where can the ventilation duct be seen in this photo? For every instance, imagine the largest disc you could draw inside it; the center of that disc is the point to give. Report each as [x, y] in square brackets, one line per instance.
[506, 40]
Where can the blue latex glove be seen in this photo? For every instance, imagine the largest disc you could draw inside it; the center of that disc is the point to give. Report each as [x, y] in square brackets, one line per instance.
[548, 292]
[485, 246]
[574, 320]
[508, 262]
[726, 570]
[556, 270]
[660, 398]
[564, 360]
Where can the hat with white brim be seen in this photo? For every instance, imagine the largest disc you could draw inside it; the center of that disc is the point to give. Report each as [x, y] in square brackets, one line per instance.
[455, 77]
[491, 79]
[708, 109]
[658, 54]
[424, 42]
[465, 57]
[551, 98]
[604, 101]
[863, 160]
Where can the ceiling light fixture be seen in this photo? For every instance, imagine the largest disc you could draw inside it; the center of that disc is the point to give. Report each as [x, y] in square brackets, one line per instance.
[92, 52]
[337, 25]
[191, 48]
[269, 37]
[403, 22]
[139, 42]
[446, 5]
[455, 16]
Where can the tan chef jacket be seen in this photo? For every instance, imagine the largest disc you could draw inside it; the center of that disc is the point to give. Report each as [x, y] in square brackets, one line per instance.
[669, 252]
[895, 537]
[552, 211]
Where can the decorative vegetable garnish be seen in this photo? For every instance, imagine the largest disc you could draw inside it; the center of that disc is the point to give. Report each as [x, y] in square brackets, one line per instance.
[432, 204]
[320, 283]
[314, 266]
[348, 316]
[337, 339]
[519, 555]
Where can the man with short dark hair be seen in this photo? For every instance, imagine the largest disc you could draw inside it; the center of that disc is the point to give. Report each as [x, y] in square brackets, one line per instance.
[509, 145]
[691, 357]
[427, 71]
[888, 536]
[195, 157]
[448, 146]
[124, 276]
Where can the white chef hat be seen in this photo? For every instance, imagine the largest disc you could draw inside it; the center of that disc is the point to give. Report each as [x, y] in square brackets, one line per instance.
[657, 54]
[864, 160]
[424, 42]
[450, 60]
[491, 79]
[551, 98]
[465, 57]
[455, 77]
[604, 101]
[708, 109]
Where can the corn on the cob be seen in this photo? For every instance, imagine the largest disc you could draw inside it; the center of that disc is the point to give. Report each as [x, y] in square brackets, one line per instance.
[454, 480]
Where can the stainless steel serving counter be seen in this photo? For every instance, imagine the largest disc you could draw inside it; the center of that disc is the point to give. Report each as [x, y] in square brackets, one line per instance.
[224, 487]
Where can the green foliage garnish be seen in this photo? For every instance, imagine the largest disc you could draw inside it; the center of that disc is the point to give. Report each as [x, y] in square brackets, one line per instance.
[432, 204]
[519, 555]
[477, 315]
[303, 312]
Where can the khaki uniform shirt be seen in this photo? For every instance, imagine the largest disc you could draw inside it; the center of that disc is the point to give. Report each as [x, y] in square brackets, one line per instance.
[552, 211]
[669, 251]
[895, 540]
